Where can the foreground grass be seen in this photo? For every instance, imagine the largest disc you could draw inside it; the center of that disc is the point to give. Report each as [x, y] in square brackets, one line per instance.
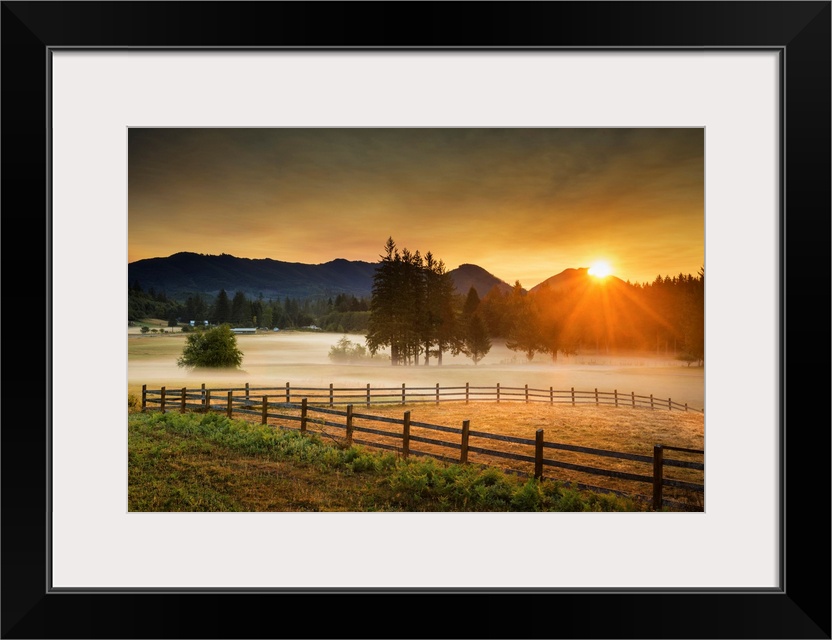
[207, 462]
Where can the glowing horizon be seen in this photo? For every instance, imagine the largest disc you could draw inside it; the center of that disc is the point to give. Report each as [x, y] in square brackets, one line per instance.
[524, 204]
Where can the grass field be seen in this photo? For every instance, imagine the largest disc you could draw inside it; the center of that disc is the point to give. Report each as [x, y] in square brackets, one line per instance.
[302, 359]
[207, 462]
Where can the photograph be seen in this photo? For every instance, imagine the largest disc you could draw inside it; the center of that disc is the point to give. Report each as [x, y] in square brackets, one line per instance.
[416, 314]
[416, 319]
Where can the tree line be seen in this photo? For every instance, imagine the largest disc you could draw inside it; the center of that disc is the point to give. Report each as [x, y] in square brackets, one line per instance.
[415, 311]
[344, 313]
[666, 316]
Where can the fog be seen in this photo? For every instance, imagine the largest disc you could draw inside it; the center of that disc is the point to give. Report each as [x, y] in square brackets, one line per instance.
[302, 359]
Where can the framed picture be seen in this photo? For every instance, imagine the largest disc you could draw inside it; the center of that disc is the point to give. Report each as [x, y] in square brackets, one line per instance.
[753, 77]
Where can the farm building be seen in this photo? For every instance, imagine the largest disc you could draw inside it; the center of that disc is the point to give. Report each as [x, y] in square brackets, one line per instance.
[244, 330]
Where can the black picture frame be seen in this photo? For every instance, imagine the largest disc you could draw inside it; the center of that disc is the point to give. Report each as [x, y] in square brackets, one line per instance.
[799, 31]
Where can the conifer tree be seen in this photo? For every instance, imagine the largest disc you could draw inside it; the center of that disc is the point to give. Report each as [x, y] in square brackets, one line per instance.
[477, 344]
[222, 309]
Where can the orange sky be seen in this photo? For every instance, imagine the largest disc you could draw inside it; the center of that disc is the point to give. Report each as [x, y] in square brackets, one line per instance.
[523, 203]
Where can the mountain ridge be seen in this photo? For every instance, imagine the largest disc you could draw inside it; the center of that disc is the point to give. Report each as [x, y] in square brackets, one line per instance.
[188, 273]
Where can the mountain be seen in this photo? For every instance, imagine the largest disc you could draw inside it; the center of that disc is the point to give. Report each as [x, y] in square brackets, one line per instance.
[569, 278]
[466, 276]
[184, 274]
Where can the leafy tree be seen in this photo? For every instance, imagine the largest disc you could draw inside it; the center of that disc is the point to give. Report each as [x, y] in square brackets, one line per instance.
[347, 351]
[214, 348]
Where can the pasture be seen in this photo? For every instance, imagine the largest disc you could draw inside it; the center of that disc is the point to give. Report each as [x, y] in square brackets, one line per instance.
[302, 359]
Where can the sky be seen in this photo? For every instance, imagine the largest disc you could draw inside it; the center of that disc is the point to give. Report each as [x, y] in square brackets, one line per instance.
[523, 203]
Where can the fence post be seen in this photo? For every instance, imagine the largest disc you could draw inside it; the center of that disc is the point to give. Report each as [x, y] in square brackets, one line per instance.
[669, 405]
[467, 388]
[596, 396]
[207, 400]
[527, 394]
[634, 398]
[349, 424]
[264, 417]
[658, 463]
[551, 395]
[331, 396]
[368, 394]
[144, 398]
[686, 406]
[616, 396]
[202, 398]
[403, 394]
[573, 396]
[651, 401]
[287, 394]
[162, 400]
[183, 399]
[303, 415]
[247, 389]
[406, 435]
[498, 392]
[538, 454]
[228, 410]
[437, 393]
[463, 455]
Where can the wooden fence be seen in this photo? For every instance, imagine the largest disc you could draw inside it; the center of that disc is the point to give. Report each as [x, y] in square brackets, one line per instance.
[368, 395]
[451, 444]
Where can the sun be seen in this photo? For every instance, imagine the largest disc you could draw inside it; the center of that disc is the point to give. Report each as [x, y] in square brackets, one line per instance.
[600, 270]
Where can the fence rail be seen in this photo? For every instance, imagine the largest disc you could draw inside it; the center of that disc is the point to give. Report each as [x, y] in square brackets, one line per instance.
[279, 407]
[341, 396]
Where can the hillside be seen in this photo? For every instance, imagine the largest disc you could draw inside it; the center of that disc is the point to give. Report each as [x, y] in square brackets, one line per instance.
[470, 275]
[184, 274]
[570, 278]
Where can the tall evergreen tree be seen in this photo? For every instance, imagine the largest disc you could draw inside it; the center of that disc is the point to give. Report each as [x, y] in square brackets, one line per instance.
[472, 302]
[240, 309]
[440, 326]
[222, 309]
[383, 324]
[411, 309]
[477, 344]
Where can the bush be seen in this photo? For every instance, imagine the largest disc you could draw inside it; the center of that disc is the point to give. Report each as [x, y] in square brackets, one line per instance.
[347, 351]
[145, 329]
[215, 348]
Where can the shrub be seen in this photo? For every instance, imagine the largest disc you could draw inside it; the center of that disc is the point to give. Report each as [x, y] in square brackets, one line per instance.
[215, 348]
[347, 351]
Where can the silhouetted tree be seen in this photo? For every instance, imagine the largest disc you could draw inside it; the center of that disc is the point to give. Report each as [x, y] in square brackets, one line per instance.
[222, 309]
[477, 344]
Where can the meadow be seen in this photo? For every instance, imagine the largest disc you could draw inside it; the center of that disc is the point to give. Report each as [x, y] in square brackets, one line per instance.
[302, 359]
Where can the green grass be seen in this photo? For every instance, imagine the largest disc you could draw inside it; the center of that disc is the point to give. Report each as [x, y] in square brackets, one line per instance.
[207, 462]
